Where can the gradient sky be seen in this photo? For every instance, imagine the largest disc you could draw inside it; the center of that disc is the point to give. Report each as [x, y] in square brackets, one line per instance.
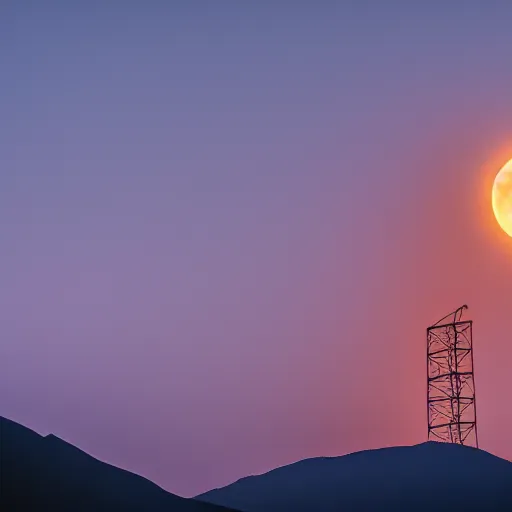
[226, 225]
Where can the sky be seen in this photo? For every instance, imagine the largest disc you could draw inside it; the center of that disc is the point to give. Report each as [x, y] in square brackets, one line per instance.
[225, 226]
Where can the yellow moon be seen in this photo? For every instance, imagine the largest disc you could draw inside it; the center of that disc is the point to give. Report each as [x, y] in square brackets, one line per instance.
[502, 198]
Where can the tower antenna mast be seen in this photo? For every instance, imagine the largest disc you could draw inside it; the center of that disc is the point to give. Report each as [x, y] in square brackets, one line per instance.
[451, 403]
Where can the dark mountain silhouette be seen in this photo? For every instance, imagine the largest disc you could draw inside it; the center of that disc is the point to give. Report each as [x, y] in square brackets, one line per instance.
[430, 477]
[49, 475]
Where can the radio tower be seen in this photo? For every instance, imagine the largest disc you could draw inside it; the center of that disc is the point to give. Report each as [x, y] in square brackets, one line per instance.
[451, 405]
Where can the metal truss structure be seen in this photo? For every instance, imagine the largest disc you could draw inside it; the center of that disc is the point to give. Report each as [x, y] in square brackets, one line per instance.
[451, 401]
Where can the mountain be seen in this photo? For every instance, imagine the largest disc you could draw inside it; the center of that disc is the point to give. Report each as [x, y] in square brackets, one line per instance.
[426, 477]
[49, 475]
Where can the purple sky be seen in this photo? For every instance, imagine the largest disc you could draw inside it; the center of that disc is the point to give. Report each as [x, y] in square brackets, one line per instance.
[225, 229]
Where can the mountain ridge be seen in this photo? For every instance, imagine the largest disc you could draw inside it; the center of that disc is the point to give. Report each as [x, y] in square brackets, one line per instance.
[47, 473]
[391, 478]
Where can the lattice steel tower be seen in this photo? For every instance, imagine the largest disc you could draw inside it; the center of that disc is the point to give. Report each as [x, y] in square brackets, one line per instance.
[451, 401]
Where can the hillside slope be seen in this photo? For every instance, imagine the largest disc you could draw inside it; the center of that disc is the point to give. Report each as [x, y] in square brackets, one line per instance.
[47, 474]
[426, 477]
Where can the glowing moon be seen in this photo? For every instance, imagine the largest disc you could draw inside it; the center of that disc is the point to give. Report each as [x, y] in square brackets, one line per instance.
[502, 198]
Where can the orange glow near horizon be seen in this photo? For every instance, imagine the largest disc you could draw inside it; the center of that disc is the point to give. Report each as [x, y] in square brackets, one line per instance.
[502, 198]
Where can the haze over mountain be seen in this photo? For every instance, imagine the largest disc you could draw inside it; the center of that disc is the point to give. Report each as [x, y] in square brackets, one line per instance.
[47, 474]
[426, 477]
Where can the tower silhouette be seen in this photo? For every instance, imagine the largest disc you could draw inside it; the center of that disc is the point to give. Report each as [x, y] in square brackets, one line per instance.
[451, 404]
